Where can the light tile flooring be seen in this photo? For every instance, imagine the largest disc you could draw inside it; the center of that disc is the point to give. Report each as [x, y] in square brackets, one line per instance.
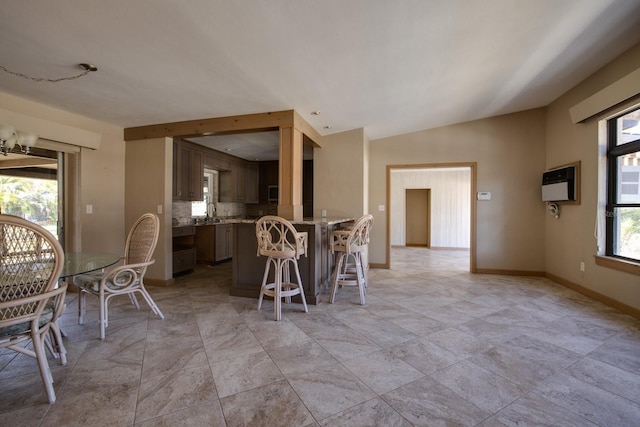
[434, 345]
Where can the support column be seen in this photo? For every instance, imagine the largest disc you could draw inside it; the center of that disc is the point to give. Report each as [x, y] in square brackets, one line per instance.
[290, 174]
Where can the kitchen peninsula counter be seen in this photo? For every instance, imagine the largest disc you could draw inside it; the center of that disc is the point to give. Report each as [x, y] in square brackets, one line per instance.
[315, 268]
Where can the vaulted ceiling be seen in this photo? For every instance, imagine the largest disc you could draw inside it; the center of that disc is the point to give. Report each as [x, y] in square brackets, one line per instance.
[390, 67]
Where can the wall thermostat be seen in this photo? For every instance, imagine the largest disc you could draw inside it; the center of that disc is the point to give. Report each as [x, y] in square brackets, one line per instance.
[484, 195]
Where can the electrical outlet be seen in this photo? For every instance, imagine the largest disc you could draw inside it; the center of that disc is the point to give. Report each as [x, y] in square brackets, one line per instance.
[581, 265]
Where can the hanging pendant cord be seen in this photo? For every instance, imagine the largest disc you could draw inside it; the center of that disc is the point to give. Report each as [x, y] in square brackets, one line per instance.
[87, 69]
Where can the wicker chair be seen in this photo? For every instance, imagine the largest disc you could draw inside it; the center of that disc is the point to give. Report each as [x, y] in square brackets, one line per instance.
[348, 245]
[31, 301]
[282, 244]
[125, 279]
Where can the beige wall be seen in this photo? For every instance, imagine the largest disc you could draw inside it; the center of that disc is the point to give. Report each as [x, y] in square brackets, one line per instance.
[340, 175]
[149, 164]
[509, 151]
[570, 239]
[101, 172]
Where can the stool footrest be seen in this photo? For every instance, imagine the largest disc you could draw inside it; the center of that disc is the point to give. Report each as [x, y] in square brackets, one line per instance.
[294, 289]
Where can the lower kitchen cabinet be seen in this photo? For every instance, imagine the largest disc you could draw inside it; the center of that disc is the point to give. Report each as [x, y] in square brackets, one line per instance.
[214, 243]
[206, 243]
[184, 249]
[224, 242]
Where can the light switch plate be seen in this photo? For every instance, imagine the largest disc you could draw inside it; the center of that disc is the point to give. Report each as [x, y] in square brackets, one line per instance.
[381, 208]
[89, 209]
[484, 195]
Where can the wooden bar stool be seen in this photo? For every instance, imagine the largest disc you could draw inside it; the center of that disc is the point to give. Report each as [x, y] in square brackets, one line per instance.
[348, 245]
[282, 244]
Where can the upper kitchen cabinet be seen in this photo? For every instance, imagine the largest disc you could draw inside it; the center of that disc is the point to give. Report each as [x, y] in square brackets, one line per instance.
[188, 170]
[240, 184]
[216, 162]
[251, 182]
[268, 178]
[307, 189]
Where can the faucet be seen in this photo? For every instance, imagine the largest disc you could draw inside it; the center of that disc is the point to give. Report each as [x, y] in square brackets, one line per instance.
[211, 208]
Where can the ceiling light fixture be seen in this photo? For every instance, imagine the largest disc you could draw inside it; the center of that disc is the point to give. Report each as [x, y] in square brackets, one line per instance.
[87, 68]
[327, 126]
[9, 137]
[315, 113]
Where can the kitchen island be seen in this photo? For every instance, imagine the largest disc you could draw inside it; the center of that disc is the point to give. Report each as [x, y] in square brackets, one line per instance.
[315, 268]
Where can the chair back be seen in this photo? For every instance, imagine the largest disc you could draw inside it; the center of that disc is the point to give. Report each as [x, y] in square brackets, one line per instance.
[142, 240]
[31, 260]
[358, 237]
[278, 238]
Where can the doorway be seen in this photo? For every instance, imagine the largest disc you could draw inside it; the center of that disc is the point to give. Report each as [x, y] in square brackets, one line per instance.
[451, 207]
[418, 217]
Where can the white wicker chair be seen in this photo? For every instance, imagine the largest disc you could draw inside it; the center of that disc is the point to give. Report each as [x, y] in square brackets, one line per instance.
[31, 301]
[125, 279]
[282, 244]
[350, 244]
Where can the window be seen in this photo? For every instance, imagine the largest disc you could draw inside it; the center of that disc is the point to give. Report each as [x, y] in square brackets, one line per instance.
[31, 198]
[623, 187]
[206, 207]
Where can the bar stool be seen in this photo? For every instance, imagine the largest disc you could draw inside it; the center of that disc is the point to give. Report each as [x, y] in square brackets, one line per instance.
[348, 245]
[282, 244]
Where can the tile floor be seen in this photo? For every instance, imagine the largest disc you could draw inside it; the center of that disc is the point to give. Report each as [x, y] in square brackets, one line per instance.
[434, 345]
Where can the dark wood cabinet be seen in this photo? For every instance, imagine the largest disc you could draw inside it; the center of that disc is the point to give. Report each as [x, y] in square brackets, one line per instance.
[214, 242]
[188, 172]
[251, 182]
[240, 183]
[216, 162]
[184, 249]
[307, 189]
[268, 176]
[206, 243]
[224, 242]
[238, 179]
[226, 185]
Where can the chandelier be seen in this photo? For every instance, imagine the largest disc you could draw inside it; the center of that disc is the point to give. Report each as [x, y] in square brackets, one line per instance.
[10, 137]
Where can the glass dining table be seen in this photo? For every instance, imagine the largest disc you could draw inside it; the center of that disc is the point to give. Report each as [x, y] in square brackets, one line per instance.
[84, 262]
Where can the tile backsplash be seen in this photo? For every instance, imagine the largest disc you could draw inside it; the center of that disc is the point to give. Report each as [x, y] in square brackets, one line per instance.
[181, 211]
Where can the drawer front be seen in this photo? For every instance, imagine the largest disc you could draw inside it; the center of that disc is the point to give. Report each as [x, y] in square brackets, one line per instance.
[184, 231]
[184, 260]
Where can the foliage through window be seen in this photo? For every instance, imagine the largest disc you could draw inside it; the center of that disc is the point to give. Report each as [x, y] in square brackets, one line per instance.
[623, 186]
[33, 199]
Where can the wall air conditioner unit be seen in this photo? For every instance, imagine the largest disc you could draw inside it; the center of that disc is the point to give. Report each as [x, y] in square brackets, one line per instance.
[559, 184]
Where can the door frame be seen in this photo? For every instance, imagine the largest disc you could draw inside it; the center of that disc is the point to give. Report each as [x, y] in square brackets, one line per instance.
[473, 166]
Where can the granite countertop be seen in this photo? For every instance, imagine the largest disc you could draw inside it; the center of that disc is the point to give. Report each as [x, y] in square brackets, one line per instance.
[304, 221]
